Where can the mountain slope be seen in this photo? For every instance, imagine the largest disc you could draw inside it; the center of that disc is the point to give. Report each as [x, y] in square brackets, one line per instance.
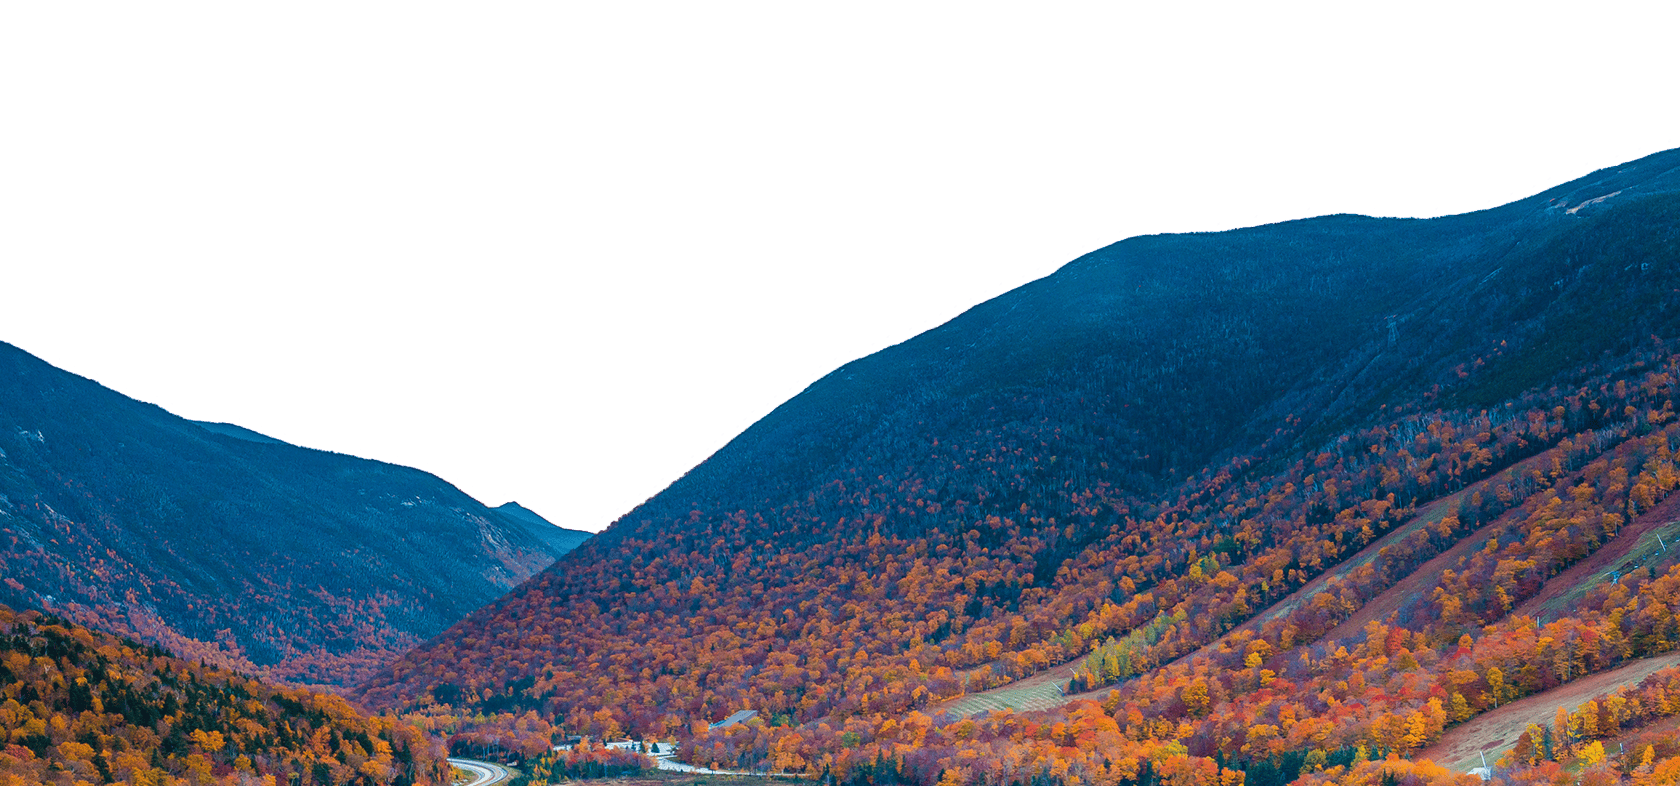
[1127, 459]
[83, 706]
[301, 564]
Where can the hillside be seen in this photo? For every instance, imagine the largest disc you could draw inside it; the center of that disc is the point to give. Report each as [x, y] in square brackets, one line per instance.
[1111, 470]
[220, 544]
[81, 706]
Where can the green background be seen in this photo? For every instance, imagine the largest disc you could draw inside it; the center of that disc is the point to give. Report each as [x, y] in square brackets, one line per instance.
[553, 252]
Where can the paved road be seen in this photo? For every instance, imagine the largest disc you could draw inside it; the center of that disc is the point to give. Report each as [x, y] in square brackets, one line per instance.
[677, 766]
[484, 773]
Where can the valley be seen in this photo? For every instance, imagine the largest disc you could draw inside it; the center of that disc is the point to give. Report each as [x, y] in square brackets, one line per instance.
[1343, 500]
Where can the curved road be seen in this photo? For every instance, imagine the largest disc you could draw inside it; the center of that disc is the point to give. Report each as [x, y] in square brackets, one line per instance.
[484, 773]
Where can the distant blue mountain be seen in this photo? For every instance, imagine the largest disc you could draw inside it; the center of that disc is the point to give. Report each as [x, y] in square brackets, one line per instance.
[226, 545]
[523, 513]
[562, 539]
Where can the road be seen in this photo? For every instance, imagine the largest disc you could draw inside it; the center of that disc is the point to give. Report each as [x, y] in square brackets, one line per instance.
[673, 765]
[484, 773]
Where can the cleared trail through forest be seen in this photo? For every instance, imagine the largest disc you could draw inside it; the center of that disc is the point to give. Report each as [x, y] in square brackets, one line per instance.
[1431, 513]
[1494, 732]
[1041, 691]
[1424, 577]
[1639, 544]
[1044, 690]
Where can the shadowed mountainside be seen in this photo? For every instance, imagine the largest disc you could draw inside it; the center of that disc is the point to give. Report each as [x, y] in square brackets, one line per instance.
[941, 503]
[1117, 466]
[219, 543]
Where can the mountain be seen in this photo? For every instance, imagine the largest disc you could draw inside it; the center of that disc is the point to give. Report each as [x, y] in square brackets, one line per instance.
[84, 706]
[1265, 498]
[223, 545]
[560, 539]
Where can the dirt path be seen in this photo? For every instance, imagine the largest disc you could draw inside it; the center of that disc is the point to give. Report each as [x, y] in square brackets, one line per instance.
[1496, 731]
[1635, 546]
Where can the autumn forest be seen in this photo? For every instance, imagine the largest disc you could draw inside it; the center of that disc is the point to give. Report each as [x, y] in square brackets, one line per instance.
[1334, 501]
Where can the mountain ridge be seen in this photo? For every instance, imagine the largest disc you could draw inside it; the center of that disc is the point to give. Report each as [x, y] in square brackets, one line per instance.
[1529, 213]
[1126, 459]
[304, 565]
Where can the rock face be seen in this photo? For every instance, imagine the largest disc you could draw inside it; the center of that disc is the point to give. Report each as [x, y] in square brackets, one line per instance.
[221, 544]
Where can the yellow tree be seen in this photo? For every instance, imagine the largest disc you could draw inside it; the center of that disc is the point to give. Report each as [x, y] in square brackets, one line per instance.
[1460, 708]
[1592, 753]
[1417, 733]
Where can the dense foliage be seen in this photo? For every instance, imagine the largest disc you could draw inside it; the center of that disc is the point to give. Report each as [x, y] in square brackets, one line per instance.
[302, 565]
[1316, 684]
[1621, 737]
[79, 706]
[1272, 495]
[583, 761]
